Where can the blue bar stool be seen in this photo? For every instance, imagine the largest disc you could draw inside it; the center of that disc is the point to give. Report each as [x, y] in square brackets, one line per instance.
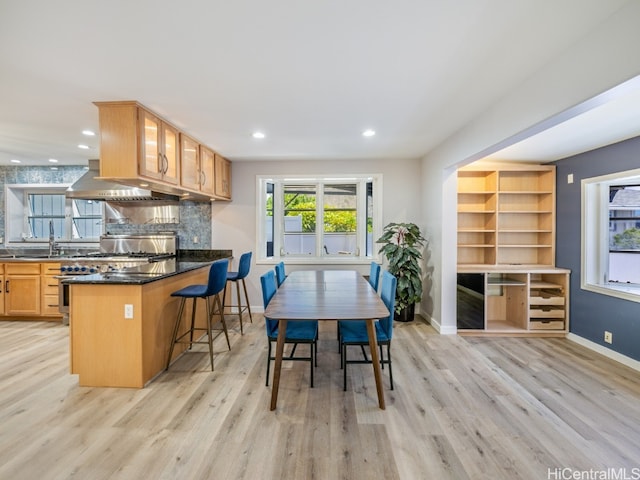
[244, 265]
[216, 283]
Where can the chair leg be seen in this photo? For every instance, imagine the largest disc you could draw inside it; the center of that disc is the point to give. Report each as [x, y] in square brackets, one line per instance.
[364, 353]
[389, 359]
[220, 311]
[381, 358]
[268, 361]
[193, 321]
[175, 331]
[311, 362]
[209, 339]
[239, 306]
[344, 367]
[246, 297]
[223, 321]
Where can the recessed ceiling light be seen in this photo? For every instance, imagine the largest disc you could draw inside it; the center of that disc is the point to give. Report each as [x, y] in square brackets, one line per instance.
[258, 135]
[15, 161]
[53, 160]
[368, 133]
[88, 133]
[83, 147]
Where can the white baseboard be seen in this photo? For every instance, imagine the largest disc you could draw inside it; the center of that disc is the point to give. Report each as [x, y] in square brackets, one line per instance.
[618, 357]
[449, 330]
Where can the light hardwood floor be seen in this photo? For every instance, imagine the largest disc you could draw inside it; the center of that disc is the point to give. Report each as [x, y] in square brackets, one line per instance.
[494, 408]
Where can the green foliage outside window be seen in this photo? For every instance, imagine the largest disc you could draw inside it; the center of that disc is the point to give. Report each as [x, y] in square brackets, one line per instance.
[627, 240]
[335, 220]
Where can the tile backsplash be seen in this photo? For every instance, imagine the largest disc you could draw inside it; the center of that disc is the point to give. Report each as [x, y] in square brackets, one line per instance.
[194, 229]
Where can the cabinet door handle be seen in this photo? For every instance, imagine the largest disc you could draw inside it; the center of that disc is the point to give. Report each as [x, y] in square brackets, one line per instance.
[203, 178]
[166, 164]
[6, 286]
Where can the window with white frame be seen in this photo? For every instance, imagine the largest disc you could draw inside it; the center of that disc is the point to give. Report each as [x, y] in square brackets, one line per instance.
[33, 211]
[312, 218]
[611, 235]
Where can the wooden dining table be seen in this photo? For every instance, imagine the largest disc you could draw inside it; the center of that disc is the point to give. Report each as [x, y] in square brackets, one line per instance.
[326, 295]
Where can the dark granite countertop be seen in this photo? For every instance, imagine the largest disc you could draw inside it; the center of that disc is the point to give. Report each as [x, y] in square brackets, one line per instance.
[203, 255]
[140, 275]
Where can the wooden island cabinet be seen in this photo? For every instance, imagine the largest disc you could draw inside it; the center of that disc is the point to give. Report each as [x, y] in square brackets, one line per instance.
[109, 349]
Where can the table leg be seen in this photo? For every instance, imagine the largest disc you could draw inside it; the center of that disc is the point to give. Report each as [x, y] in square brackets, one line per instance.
[373, 346]
[282, 333]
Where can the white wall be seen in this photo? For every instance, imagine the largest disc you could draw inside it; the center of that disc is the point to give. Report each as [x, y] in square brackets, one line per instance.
[234, 223]
[604, 58]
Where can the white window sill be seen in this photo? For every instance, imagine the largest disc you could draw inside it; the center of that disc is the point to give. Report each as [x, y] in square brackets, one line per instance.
[317, 260]
[626, 292]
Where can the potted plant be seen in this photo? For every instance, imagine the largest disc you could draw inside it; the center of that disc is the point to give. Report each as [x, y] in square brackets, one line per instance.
[401, 244]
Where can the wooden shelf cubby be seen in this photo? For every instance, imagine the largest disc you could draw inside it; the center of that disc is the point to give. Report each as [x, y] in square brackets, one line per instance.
[507, 282]
[506, 215]
[513, 301]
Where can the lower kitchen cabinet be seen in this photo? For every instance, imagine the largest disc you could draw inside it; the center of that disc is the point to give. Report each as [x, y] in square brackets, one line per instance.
[29, 290]
[22, 289]
[513, 302]
[49, 305]
[2, 302]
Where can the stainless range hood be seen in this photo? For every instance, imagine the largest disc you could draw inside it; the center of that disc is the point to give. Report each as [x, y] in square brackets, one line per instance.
[88, 187]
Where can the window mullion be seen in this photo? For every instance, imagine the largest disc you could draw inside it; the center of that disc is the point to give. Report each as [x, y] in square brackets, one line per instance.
[278, 219]
[320, 220]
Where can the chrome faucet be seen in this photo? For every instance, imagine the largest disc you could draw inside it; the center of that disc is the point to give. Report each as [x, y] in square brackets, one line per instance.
[53, 247]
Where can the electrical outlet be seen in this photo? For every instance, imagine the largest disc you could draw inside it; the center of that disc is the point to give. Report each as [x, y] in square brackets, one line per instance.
[570, 178]
[128, 311]
[608, 337]
[196, 240]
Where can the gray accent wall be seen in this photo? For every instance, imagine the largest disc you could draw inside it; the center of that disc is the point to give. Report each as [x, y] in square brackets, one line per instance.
[195, 217]
[593, 313]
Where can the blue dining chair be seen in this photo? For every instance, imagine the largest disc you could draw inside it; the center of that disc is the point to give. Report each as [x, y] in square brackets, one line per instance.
[216, 281]
[244, 265]
[374, 280]
[374, 275]
[298, 331]
[354, 332]
[280, 275]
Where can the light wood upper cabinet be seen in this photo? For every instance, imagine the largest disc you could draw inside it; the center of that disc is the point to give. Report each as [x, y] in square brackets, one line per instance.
[159, 157]
[190, 164]
[223, 177]
[139, 148]
[207, 170]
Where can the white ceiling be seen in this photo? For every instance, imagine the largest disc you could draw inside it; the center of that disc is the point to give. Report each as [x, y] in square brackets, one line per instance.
[311, 75]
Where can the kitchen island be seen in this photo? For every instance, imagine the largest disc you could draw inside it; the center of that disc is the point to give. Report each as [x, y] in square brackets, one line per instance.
[121, 323]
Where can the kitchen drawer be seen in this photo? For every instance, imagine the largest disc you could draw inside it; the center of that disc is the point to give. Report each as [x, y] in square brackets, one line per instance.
[546, 325]
[22, 268]
[543, 298]
[51, 269]
[546, 312]
[50, 287]
[50, 305]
